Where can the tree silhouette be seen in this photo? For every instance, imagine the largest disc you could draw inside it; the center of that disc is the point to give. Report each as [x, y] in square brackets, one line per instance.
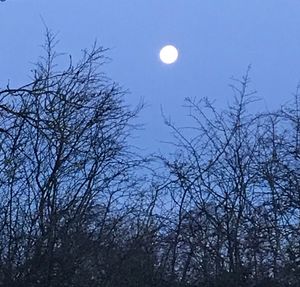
[63, 152]
[79, 207]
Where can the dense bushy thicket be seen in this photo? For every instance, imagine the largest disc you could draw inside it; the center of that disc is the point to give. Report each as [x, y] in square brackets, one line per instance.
[79, 208]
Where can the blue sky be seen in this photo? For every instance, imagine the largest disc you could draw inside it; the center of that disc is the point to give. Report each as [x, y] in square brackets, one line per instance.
[217, 39]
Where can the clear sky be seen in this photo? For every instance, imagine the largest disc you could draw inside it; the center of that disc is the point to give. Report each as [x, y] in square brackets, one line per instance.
[216, 39]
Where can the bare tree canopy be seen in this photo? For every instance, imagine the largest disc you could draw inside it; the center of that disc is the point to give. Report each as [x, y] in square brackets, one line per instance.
[78, 207]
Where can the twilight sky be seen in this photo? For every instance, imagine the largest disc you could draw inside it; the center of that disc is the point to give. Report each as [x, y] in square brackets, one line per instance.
[217, 39]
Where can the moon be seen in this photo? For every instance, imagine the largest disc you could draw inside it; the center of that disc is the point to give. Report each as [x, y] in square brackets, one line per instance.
[168, 54]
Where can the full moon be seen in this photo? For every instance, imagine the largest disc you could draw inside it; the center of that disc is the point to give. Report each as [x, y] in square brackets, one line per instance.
[168, 54]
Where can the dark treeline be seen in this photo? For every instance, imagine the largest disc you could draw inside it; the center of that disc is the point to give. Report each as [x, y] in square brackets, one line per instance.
[78, 207]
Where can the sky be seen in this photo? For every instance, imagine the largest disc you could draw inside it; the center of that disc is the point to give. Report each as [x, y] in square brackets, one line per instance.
[216, 39]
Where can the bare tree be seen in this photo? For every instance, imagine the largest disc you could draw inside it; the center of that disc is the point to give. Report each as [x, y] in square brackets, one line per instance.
[229, 181]
[63, 148]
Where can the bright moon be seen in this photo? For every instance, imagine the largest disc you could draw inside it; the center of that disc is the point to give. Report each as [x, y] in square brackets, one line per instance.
[168, 54]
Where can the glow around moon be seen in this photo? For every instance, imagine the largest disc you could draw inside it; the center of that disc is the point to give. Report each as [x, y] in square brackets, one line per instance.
[168, 54]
